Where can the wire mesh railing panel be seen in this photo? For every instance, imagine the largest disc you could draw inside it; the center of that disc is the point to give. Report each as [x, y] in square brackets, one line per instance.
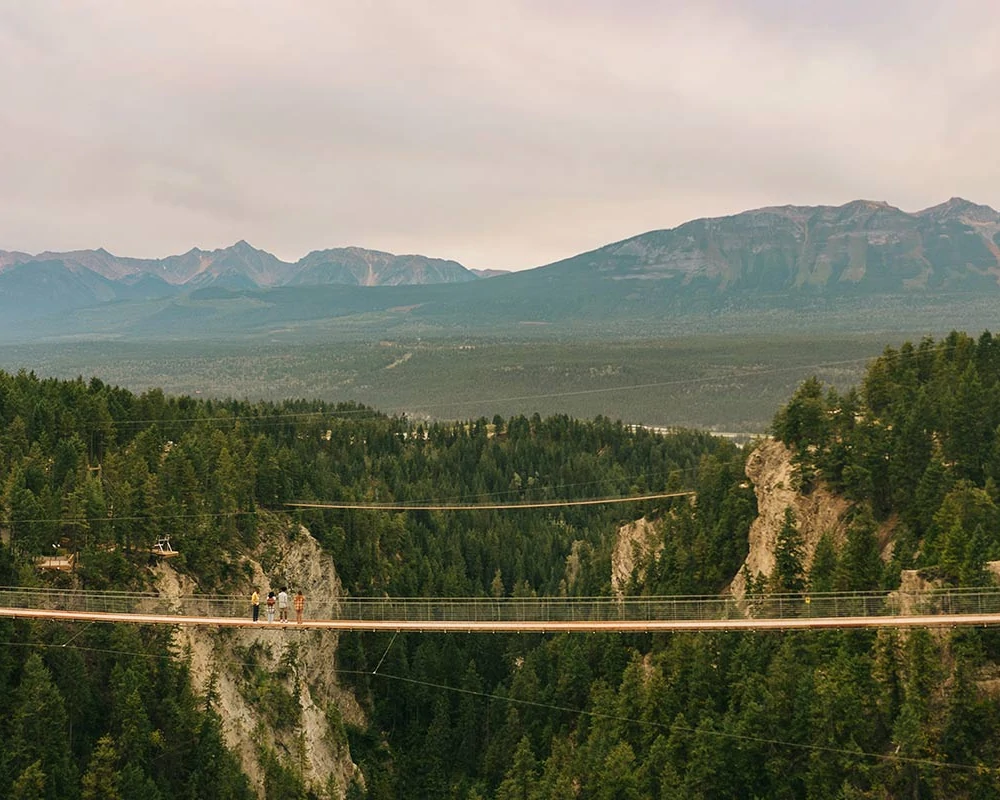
[485, 610]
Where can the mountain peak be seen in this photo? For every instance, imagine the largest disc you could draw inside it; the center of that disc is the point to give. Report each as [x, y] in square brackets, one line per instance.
[361, 267]
[872, 204]
[961, 209]
[868, 207]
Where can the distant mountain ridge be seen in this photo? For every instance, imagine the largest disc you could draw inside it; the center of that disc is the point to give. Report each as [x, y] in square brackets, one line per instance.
[356, 266]
[242, 263]
[858, 246]
[793, 258]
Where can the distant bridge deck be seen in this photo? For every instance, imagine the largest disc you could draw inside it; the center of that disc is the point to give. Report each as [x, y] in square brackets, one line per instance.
[939, 608]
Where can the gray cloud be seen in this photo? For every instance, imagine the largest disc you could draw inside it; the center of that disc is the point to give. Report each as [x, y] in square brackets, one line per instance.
[503, 135]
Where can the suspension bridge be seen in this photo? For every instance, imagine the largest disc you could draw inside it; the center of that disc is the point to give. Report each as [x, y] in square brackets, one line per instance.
[897, 609]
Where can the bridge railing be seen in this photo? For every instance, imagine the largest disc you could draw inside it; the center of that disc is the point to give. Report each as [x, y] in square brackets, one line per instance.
[528, 609]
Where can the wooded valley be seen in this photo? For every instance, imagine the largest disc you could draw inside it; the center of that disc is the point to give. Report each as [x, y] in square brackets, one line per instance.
[104, 473]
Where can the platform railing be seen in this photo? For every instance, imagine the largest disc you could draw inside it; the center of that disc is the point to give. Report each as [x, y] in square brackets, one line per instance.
[523, 609]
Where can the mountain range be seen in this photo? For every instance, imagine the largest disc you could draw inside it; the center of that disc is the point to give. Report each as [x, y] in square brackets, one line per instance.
[244, 266]
[785, 256]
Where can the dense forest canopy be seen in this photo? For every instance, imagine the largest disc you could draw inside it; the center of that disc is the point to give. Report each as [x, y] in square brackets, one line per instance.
[916, 445]
[105, 473]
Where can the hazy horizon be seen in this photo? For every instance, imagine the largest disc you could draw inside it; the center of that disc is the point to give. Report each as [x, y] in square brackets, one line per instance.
[363, 247]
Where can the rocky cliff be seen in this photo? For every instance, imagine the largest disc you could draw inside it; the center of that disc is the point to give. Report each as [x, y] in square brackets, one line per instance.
[636, 544]
[275, 686]
[770, 469]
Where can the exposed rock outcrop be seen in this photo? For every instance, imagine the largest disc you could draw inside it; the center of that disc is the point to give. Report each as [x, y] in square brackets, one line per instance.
[296, 663]
[771, 469]
[637, 542]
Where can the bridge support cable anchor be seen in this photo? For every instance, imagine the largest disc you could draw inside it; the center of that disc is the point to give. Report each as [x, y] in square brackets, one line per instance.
[375, 671]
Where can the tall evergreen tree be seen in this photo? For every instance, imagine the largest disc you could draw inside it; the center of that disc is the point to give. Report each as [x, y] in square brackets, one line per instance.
[789, 573]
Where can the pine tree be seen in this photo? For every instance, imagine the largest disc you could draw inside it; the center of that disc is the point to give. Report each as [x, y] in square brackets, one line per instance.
[860, 565]
[30, 784]
[803, 421]
[822, 573]
[519, 782]
[789, 574]
[970, 427]
[617, 779]
[100, 782]
[38, 731]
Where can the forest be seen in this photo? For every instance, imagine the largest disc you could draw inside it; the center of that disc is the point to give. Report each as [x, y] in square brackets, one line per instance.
[726, 380]
[110, 711]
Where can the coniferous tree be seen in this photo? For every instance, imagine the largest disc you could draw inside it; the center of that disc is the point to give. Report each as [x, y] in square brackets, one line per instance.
[823, 571]
[100, 782]
[860, 567]
[803, 421]
[789, 573]
[519, 782]
[38, 733]
[30, 784]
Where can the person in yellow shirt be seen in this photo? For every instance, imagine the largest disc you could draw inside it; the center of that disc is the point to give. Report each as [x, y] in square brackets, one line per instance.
[255, 604]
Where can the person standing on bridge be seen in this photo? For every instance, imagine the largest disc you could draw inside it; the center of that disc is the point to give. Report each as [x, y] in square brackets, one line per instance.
[255, 605]
[271, 600]
[300, 605]
[283, 605]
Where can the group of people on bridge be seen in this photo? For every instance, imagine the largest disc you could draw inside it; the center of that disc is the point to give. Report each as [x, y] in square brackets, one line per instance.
[281, 602]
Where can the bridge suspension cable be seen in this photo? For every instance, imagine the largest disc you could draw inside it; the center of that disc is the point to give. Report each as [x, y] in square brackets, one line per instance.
[597, 501]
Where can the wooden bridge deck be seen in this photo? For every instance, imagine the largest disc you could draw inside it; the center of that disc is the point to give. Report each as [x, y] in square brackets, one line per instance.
[881, 609]
[520, 626]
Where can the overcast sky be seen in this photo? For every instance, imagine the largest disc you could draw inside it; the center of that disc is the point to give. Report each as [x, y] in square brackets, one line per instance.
[501, 134]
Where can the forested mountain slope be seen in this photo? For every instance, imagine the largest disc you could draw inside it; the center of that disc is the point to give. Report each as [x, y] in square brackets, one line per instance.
[911, 454]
